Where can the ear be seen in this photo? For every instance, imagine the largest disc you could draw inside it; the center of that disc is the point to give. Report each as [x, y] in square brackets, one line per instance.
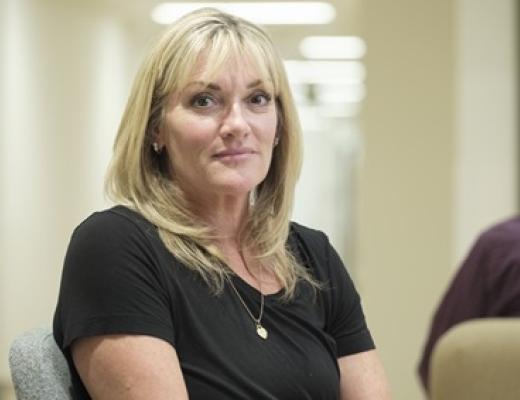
[158, 140]
[276, 140]
[279, 117]
[157, 134]
[279, 127]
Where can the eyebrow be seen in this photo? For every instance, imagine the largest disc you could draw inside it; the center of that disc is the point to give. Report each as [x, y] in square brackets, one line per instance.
[214, 86]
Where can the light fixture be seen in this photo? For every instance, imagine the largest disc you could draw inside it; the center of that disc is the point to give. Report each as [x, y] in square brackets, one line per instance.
[333, 47]
[264, 13]
[325, 72]
[340, 94]
[340, 110]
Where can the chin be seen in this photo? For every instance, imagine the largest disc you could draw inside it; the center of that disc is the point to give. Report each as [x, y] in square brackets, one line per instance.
[239, 186]
[235, 190]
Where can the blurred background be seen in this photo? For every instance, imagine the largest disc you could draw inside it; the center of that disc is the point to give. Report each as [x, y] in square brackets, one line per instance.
[410, 123]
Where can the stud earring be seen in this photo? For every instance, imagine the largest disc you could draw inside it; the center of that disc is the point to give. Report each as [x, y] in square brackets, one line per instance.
[276, 140]
[156, 147]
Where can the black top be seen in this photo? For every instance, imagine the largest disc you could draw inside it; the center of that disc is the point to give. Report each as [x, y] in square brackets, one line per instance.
[119, 278]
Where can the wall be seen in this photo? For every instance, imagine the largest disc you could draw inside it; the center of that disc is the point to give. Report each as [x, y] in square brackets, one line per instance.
[64, 83]
[486, 168]
[440, 159]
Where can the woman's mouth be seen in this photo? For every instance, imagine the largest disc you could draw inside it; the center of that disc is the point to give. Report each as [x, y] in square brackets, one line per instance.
[240, 153]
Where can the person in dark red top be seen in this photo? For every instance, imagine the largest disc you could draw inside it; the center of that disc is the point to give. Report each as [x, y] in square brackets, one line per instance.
[486, 285]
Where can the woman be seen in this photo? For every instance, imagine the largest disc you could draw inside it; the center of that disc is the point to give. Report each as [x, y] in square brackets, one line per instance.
[196, 284]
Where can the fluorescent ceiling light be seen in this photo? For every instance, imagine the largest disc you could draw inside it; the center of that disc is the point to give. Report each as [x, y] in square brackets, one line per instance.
[327, 94]
[325, 72]
[340, 94]
[333, 47]
[264, 13]
[340, 111]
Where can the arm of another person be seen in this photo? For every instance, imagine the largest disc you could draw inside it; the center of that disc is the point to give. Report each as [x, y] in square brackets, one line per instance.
[129, 367]
[362, 377]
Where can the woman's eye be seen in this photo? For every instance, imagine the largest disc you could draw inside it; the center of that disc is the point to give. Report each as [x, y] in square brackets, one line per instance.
[260, 99]
[202, 101]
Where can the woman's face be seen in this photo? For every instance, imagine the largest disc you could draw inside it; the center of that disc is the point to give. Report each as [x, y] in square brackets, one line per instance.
[219, 135]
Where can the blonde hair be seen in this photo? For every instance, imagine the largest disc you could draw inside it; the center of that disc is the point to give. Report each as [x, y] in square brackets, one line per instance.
[137, 176]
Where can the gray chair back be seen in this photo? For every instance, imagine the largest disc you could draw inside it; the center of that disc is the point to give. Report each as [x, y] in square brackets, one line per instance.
[38, 367]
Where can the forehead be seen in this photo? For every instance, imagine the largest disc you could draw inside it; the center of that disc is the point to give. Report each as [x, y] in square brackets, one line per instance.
[233, 71]
[212, 66]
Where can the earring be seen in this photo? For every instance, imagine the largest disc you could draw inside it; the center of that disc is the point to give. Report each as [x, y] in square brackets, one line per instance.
[252, 197]
[276, 140]
[156, 147]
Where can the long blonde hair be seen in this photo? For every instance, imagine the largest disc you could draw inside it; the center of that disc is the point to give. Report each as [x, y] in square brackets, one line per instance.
[137, 177]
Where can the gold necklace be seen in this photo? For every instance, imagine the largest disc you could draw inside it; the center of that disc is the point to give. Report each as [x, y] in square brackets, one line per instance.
[260, 330]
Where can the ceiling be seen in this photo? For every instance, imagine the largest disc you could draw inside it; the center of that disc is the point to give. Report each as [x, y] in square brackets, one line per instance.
[348, 21]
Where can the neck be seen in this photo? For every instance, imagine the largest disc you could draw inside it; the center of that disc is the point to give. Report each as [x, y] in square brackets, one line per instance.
[226, 214]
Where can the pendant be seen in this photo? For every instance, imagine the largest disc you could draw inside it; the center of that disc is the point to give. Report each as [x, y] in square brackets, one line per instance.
[261, 331]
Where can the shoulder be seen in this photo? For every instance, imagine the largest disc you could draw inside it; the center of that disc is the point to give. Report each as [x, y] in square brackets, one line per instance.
[114, 243]
[114, 216]
[505, 232]
[313, 238]
[315, 250]
[496, 252]
[502, 239]
[116, 227]
[116, 219]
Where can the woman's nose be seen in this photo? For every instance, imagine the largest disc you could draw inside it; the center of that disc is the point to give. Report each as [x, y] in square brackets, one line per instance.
[235, 122]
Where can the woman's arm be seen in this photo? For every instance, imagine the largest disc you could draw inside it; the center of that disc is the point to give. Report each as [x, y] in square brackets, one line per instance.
[362, 377]
[130, 367]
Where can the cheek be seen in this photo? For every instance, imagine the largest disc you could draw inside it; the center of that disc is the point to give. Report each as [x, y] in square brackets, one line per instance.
[266, 126]
[189, 135]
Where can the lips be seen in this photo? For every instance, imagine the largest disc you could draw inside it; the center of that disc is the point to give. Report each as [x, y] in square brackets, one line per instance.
[237, 152]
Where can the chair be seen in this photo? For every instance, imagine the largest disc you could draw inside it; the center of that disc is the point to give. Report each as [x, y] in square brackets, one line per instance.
[38, 368]
[477, 360]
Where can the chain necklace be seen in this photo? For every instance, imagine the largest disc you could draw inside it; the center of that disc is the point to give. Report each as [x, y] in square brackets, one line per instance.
[260, 330]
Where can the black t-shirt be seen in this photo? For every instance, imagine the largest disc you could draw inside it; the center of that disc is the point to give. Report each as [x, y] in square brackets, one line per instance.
[119, 278]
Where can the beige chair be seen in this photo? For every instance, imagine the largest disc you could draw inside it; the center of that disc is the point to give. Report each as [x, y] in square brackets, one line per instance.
[477, 360]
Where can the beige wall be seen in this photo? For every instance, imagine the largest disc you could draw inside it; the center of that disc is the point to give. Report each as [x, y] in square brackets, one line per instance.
[439, 129]
[486, 85]
[405, 205]
[64, 78]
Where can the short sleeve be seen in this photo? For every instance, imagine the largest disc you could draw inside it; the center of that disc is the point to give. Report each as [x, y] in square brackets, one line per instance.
[346, 321]
[343, 315]
[111, 283]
